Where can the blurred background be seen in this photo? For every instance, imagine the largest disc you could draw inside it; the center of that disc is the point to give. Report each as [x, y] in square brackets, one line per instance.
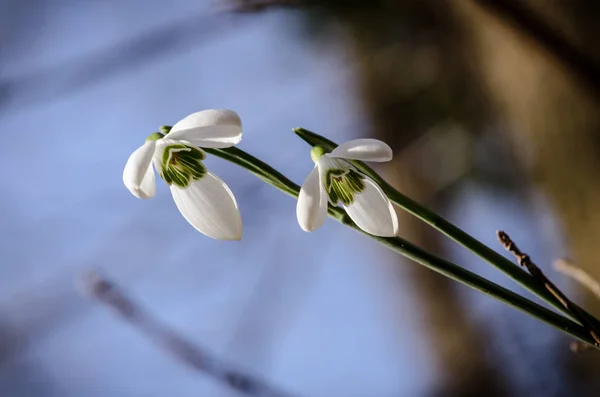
[491, 108]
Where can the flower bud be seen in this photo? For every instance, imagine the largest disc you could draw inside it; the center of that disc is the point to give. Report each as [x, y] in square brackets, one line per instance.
[316, 153]
[155, 136]
[165, 129]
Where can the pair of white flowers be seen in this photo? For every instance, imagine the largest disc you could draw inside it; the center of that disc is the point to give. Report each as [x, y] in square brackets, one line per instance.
[208, 204]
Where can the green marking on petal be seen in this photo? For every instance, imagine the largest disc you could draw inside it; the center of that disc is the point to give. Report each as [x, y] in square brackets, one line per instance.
[182, 164]
[342, 185]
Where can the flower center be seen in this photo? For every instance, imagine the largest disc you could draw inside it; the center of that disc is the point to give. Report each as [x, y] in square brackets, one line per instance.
[182, 164]
[342, 185]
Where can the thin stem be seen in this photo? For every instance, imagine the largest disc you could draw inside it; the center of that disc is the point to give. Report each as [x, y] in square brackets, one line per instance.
[244, 160]
[447, 228]
[257, 167]
[480, 284]
[413, 252]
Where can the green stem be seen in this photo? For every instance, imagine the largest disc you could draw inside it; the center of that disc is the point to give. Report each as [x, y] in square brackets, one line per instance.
[262, 170]
[411, 251]
[449, 229]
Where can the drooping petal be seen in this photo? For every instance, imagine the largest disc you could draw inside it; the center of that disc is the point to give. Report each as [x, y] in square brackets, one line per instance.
[212, 128]
[138, 175]
[372, 211]
[210, 207]
[364, 150]
[311, 208]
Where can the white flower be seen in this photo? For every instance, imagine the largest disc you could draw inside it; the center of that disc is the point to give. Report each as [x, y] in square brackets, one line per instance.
[334, 180]
[203, 199]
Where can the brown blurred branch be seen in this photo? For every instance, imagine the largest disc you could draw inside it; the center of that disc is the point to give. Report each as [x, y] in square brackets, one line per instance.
[515, 12]
[524, 18]
[525, 261]
[261, 5]
[105, 291]
[577, 274]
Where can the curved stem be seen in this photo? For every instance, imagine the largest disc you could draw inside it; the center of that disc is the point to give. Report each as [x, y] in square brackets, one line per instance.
[411, 251]
[263, 171]
[449, 229]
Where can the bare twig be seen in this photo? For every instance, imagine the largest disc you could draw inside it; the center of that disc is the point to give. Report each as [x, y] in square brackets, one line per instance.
[577, 274]
[525, 261]
[105, 291]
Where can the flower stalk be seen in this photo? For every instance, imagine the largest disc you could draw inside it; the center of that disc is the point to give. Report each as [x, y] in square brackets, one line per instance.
[452, 231]
[339, 177]
[447, 268]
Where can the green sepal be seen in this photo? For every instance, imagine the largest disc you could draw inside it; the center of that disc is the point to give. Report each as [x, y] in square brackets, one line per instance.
[155, 136]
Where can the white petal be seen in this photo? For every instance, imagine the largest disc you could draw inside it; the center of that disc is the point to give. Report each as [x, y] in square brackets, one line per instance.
[373, 212]
[209, 206]
[364, 150]
[209, 128]
[311, 209]
[138, 175]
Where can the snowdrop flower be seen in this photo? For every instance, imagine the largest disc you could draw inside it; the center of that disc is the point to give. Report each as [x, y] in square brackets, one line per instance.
[203, 199]
[334, 180]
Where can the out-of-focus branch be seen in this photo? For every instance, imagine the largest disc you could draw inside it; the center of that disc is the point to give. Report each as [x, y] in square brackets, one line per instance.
[78, 73]
[261, 5]
[521, 16]
[105, 291]
[515, 12]
[577, 274]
